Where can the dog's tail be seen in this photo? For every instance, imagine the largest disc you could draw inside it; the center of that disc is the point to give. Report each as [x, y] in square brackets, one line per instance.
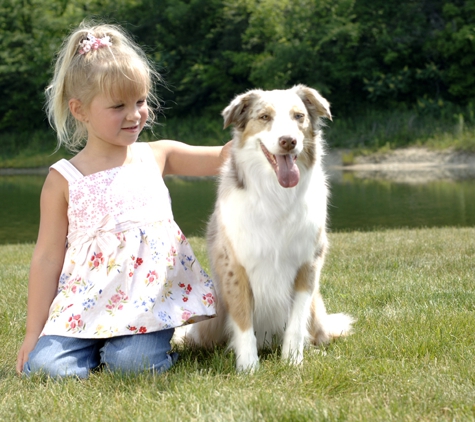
[338, 325]
[325, 327]
[333, 326]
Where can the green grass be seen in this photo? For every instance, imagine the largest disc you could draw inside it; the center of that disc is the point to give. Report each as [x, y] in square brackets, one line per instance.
[411, 357]
[375, 130]
[31, 159]
[29, 149]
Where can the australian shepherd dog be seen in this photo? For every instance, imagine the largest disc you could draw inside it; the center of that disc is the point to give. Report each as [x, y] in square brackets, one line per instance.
[267, 235]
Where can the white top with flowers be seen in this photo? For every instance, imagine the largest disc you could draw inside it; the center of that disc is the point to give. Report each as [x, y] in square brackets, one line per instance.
[128, 268]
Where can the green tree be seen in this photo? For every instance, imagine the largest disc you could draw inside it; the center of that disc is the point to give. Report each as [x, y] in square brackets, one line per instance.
[31, 32]
[27, 44]
[192, 42]
[456, 46]
[378, 54]
[306, 41]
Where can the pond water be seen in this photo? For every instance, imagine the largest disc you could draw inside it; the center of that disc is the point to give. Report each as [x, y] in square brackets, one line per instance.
[356, 204]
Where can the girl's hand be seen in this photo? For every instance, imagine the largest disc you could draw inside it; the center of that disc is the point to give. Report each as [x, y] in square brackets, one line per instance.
[28, 345]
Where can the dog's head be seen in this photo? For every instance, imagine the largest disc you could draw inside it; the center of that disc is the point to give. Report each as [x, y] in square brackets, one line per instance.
[283, 123]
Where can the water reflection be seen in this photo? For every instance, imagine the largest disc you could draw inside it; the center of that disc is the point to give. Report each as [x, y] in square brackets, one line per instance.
[19, 208]
[365, 204]
[356, 204]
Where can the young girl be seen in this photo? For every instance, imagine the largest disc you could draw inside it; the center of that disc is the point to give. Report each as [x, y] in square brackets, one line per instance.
[127, 275]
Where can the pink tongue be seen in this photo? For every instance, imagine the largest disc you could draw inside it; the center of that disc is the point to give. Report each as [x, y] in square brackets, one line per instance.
[288, 173]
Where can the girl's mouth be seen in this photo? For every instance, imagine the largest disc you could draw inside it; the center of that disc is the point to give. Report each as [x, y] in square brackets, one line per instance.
[131, 128]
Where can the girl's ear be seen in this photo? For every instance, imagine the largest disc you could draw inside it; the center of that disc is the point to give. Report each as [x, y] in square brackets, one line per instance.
[77, 110]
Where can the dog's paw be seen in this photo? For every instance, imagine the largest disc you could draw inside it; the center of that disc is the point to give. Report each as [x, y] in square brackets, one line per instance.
[247, 364]
[244, 344]
[292, 356]
[292, 349]
[183, 336]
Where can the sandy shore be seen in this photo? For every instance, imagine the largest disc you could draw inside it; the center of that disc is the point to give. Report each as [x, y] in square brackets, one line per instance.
[408, 165]
[32, 171]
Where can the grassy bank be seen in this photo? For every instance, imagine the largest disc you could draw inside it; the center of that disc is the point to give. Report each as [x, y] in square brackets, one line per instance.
[368, 132]
[410, 357]
[378, 130]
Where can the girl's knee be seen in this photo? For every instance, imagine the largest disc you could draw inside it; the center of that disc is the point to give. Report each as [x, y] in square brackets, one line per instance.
[143, 363]
[54, 357]
[140, 352]
[55, 368]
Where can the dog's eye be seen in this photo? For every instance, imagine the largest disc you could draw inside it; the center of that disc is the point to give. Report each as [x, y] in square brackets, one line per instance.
[264, 117]
[299, 116]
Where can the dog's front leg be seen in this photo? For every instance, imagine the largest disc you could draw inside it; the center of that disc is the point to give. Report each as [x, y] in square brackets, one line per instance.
[243, 342]
[296, 330]
[239, 302]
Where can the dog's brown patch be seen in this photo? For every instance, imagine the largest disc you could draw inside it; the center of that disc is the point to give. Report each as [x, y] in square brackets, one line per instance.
[294, 110]
[316, 105]
[237, 112]
[259, 121]
[321, 251]
[239, 182]
[305, 279]
[317, 315]
[235, 290]
[308, 157]
[317, 310]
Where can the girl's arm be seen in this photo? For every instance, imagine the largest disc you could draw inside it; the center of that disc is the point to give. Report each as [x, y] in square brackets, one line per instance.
[47, 261]
[186, 160]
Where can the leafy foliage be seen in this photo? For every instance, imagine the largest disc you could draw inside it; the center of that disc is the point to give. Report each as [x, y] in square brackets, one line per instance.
[383, 54]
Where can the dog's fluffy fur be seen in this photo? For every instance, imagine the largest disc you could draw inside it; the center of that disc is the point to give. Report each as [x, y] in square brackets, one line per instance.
[267, 238]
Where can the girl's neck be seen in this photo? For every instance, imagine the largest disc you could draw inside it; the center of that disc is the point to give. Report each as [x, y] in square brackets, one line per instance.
[93, 159]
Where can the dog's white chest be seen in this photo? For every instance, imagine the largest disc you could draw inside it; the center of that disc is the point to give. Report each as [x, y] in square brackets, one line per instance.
[275, 229]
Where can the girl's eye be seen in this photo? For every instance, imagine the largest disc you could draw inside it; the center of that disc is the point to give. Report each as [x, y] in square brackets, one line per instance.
[141, 102]
[119, 106]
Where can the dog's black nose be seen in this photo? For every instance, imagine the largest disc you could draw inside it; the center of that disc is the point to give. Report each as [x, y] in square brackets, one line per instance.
[287, 142]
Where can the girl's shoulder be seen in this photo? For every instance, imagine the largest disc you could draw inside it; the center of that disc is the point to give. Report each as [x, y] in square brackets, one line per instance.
[67, 170]
[160, 152]
[55, 187]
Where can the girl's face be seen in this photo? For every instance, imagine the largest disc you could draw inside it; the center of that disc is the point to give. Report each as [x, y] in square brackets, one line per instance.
[117, 121]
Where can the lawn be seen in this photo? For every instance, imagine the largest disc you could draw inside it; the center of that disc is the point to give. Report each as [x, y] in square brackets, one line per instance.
[411, 356]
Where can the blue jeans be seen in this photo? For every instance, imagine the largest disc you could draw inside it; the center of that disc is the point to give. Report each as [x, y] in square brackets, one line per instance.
[59, 356]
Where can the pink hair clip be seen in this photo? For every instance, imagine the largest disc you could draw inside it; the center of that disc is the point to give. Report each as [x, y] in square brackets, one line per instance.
[93, 43]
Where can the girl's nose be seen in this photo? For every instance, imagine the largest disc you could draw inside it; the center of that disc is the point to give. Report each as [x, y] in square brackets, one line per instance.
[133, 113]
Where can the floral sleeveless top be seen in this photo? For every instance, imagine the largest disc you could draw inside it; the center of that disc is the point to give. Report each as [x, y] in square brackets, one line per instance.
[128, 268]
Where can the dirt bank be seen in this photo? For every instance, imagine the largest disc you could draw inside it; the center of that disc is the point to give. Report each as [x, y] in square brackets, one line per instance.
[409, 165]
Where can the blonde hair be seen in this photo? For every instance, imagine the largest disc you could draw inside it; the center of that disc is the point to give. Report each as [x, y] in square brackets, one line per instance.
[121, 69]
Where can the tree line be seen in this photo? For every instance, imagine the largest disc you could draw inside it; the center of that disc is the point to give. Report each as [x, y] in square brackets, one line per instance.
[380, 54]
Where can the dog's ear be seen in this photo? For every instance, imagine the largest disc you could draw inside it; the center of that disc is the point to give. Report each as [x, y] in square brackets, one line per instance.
[236, 113]
[316, 105]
